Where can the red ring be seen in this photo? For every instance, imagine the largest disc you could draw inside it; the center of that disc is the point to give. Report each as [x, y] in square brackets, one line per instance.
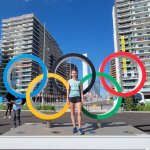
[135, 59]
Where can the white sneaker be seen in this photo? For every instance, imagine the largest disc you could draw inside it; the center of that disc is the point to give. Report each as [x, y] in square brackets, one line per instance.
[9, 117]
[5, 117]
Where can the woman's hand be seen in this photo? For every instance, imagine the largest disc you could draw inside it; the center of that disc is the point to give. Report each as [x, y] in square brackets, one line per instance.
[82, 100]
[67, 101]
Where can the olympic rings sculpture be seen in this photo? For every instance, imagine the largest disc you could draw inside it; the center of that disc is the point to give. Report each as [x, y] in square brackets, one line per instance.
[44, 77]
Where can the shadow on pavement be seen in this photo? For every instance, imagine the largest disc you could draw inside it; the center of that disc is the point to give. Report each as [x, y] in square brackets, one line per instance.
[140, 127]
[4, 124]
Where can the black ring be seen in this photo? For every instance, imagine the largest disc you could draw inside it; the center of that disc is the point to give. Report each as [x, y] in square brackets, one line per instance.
[75, 55]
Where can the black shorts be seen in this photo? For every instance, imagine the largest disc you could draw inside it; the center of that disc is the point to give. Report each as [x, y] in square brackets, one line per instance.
[76, 99]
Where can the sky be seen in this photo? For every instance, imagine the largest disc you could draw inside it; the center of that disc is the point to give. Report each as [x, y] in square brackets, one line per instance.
[80, 26]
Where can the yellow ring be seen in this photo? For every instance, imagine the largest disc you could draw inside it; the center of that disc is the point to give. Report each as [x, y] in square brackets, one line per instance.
[28, 100]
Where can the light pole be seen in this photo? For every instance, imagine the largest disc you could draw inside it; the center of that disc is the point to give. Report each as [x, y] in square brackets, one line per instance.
[43, 62]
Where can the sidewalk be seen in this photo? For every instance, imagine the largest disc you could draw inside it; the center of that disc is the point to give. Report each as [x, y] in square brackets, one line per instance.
[39, 129]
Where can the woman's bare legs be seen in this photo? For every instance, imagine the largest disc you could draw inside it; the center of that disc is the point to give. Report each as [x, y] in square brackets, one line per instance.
[79, 107]
[72, 108]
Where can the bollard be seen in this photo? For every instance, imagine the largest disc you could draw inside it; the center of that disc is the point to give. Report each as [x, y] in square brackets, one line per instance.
[101, 106]
[49, 124]
[99, 123]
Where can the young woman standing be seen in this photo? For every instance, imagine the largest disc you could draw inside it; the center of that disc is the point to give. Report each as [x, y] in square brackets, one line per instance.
[75, 99]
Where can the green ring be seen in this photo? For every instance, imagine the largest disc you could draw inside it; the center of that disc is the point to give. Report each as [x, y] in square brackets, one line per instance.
[114, 109]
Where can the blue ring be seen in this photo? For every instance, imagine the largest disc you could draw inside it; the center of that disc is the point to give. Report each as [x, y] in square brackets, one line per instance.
[6, 73]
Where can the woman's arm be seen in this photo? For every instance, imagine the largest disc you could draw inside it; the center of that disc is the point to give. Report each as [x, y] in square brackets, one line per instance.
[81, 91]
[67, 94]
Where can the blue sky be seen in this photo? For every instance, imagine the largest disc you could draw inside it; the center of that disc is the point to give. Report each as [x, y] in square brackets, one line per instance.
[77, 25]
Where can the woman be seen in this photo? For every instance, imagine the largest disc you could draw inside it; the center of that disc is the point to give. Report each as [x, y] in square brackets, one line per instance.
[75, 99]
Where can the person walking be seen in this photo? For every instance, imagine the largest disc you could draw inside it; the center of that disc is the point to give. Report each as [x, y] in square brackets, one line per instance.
[10, 98]
[75, 99]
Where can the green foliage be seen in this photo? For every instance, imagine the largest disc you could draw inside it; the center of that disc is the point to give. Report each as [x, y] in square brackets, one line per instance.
[25, 107]
[147, 107]
[110, 100]
[45, 107]
[139, 107]
[3, 107]
[129, 104]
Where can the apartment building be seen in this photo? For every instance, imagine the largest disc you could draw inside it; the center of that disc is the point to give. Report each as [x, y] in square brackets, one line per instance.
[131, 23]
[27, 35]
[69, 67]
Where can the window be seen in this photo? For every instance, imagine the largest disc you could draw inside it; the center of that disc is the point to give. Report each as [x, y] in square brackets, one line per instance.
[137, 17]
[137, 12]
[147, 27]
[140, 45]
[141, 51]
[139, 33]
[139, 27]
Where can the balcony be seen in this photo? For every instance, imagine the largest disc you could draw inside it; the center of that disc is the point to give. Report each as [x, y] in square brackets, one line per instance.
[27, 38]
[129, 84]
[124, 9]
[123, 4]
[148, 64]
[139, 13]
[138, 8]
[125, 31]
[24, 70]
[25, 65]
[130, 78]
[138, 2]
[27, 47]
[28, 29]
[124, 20]
[24, 85]
[22, 90]
[26, 79]
[125, 26]
[145, 90]
[124, 14]
[25, 74]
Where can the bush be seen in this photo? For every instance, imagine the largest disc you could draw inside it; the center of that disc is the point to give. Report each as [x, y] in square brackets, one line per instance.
[147, 107]
[129, 104]
[25, 107]
[3, 107]
[45, 107]
[139, 107]
[110, 100]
